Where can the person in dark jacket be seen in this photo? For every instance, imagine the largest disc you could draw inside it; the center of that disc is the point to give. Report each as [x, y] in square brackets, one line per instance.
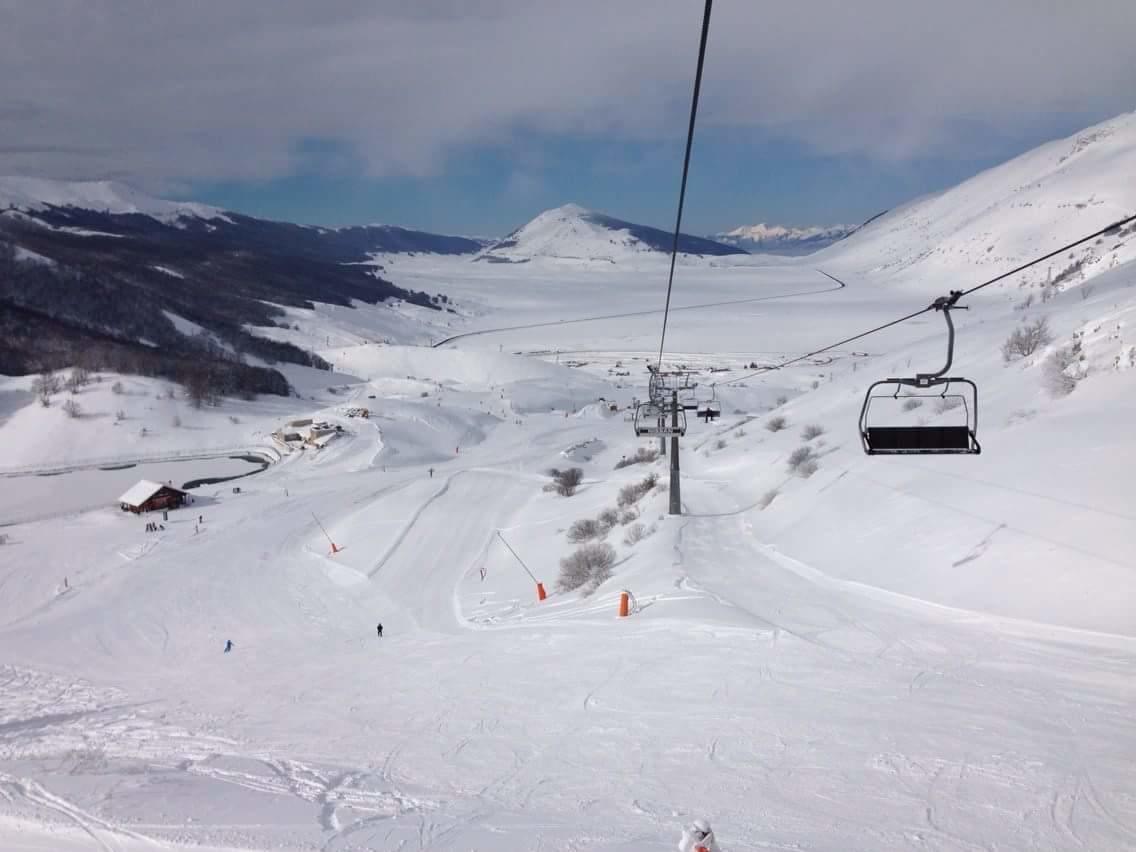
[228, 645]
[380, 630]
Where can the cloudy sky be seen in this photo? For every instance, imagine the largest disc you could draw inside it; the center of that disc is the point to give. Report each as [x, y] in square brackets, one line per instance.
[470, 116]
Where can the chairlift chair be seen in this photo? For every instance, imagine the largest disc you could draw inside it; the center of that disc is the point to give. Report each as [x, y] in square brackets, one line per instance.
[709, 408]
[658, 421]
[892, 439]
[687, 398]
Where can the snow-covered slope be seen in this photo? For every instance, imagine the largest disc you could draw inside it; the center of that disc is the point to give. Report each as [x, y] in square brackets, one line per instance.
[779, 239]
[32, 194]
[882, 653]
[572, 232]
[1008, 214]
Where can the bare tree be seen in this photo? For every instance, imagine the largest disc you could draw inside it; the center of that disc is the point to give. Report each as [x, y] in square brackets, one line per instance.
[44, 386]
[1027, 339]
[567, 481]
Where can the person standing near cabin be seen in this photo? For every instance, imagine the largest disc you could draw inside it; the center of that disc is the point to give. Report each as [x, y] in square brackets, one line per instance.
[379, 628]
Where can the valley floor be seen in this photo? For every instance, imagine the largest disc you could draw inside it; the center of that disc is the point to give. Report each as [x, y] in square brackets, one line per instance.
[804, 673]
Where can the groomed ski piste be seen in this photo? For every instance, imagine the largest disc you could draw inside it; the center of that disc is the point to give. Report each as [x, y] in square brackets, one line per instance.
[889, 654]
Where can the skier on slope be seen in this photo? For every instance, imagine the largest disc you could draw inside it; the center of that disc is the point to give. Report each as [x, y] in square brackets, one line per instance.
[379, 628]
[698, 837]
[228, 645]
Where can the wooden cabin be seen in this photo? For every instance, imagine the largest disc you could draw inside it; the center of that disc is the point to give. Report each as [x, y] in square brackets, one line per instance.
[147, 496]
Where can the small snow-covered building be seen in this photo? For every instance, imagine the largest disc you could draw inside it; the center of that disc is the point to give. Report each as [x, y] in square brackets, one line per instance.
[148, 496]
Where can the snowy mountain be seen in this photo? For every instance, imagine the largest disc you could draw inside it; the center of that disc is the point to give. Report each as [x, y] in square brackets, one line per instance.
[39, 194]
[1008, 214]
[105, 208]
[779, 239]
[90, 268]
[572, 232]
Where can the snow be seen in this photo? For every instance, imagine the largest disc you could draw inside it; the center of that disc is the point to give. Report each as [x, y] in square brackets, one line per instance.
[763, 237]
[29, 256]
[140, 492]
[565, 233]
[32, 194]
[892, 653]
[173, 273]
[184, 326]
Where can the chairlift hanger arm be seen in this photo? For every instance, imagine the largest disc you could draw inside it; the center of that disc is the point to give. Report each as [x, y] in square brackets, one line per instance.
[946, 304]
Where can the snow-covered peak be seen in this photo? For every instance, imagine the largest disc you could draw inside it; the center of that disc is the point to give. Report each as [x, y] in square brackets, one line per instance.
[762, 232]
[574, 232]
[31, 194]
[783, 239]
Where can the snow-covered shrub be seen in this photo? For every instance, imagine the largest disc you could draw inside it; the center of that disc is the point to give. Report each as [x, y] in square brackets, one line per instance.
[587, 566]
[636, 533]
[117, 388]
[811, 431]
[80, 377]
[119, 416]
[720, 444]
[781, 400]
[628, 515]
[642, 456]
[631, 494]
[565, 482]
[1027, 339]
[72, 409]
[234, 419]
[176, 422]
[767, 498]
[776, 424]
[585, 529]
[803, 461]
[912, 404]
[607, 519]
[1059, 372]
[44, 385]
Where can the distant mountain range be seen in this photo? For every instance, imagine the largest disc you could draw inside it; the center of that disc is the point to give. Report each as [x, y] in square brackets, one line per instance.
[778, 239]
[101, 272]
[100, 268]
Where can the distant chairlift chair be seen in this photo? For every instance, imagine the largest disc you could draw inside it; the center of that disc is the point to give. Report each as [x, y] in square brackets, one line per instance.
[710, 409]
[959, 439]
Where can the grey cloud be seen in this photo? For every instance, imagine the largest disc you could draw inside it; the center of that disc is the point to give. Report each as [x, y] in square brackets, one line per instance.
[211, 90]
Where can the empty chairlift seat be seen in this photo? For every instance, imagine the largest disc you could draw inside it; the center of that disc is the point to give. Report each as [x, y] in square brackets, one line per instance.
[929, 399]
